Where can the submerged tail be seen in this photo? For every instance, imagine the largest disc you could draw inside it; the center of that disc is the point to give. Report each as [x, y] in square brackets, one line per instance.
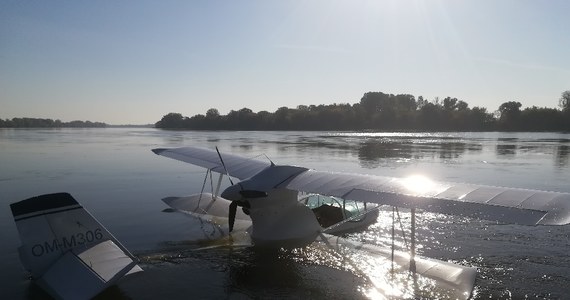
[67, 251]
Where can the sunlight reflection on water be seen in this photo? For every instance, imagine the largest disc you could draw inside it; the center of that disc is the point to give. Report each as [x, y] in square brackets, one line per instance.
[114, 174]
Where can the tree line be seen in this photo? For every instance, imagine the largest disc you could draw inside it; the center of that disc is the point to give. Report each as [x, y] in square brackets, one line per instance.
[380, 111]
[46, 123]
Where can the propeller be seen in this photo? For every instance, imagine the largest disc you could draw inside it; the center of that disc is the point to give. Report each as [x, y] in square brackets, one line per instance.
[245, 194]
[243, 203]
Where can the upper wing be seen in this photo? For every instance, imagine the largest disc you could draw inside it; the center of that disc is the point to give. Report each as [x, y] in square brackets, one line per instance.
[518, 206]
[237, 166]
[506, 205]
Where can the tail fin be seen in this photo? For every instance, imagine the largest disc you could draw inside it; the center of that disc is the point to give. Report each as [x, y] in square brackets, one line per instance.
[67, 251]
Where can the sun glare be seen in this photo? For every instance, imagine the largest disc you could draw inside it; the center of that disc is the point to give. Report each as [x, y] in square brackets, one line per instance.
[419, 184]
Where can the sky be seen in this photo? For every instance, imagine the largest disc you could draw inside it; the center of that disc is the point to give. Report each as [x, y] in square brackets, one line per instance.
[132, 62]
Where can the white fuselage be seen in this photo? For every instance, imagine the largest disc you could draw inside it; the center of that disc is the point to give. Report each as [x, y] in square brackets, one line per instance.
[279, 220]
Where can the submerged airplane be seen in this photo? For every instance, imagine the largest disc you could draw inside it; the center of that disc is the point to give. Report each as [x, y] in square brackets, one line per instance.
[282, 206]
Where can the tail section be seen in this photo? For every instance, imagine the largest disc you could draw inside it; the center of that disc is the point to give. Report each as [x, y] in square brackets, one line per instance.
[67, 251]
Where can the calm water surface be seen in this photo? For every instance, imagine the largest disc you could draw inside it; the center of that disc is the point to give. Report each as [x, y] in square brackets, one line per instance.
[115, 176]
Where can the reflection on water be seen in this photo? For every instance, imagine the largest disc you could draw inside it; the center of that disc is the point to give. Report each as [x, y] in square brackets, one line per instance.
[562, 155]
[243, 273]
[507, 150]
[373, 151]
[114, 174]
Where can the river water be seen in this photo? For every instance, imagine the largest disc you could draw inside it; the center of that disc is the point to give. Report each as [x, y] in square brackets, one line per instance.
[113, 173]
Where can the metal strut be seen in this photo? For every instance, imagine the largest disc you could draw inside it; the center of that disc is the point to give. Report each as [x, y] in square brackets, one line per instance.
[202, 190]
[217, 191]
[412, 247]
[393, 234]
[413, 242]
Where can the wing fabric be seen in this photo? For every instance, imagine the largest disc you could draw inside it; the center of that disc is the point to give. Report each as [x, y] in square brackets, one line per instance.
[237, 166]
[505, 205]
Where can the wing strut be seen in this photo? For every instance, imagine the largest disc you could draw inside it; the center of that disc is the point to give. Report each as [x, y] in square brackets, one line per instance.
[217, 191]
[203, 186]
[224, 165]
[413, 242]
[412, 246]
[393, 235]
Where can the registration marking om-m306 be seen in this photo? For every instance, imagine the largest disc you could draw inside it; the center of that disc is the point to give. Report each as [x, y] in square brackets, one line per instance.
[67, 242]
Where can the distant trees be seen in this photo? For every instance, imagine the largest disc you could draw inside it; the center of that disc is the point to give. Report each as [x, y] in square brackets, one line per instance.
[565, 106]
[565, 101]
[171, 121]
[541, 119]
[391, 112]
[509, 115]
[46, 123]
[380, 111]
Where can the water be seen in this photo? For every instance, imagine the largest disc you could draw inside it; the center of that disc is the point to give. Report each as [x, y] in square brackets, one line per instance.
[115, 176]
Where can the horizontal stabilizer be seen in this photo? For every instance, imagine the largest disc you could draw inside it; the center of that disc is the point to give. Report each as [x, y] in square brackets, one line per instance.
[66, 250]
[204, 204]
[83, 275]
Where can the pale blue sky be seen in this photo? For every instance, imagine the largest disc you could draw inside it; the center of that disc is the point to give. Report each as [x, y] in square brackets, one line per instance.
[135, 61]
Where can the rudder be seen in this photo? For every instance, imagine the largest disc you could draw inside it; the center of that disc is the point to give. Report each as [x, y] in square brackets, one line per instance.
[61, 240]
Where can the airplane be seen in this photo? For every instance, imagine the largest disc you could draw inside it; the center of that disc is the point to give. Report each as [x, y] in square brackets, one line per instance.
[275, 213]
[282, 206]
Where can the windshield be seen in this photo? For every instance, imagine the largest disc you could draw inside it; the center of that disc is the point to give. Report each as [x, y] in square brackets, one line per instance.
[349, 207]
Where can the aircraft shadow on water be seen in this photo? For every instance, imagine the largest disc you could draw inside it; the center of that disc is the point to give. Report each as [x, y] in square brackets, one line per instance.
[72, 256]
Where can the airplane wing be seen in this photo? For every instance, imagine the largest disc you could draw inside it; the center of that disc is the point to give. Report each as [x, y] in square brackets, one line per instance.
[237, 166]
[505, 205]
[437, 279]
